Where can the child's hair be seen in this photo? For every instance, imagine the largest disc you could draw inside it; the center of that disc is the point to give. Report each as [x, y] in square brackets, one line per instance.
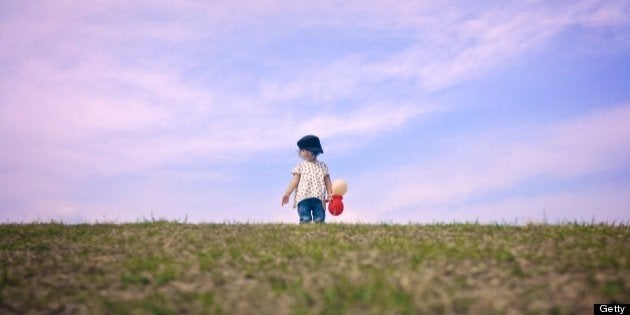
[314, 153]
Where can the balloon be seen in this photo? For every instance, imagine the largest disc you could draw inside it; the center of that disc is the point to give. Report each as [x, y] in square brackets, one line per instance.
[335, 207]
[339, 187]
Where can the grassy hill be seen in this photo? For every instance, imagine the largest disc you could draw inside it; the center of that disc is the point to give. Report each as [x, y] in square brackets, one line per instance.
[168, 268]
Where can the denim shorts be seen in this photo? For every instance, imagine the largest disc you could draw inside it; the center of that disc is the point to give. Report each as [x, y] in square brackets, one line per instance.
[311, 209]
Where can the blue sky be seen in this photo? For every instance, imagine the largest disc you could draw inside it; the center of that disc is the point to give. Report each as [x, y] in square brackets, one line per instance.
[434, 111]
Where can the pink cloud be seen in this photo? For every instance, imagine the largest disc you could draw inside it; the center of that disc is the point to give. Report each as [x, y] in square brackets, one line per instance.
[479, 164]
[76, 106]
[454, 46]
[602, 204]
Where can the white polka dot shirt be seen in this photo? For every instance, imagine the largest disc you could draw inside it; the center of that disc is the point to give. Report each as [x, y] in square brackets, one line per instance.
[311, 183]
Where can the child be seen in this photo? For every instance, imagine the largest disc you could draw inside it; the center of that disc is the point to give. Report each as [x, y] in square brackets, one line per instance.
[311, 182]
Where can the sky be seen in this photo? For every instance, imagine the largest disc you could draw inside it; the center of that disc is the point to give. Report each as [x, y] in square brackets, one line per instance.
[432, 111]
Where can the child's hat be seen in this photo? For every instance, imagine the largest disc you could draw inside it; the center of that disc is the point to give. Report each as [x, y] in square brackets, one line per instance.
[310, 143]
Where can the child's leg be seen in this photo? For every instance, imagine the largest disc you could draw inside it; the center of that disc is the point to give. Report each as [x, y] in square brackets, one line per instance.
[304, 211]
[319, 213]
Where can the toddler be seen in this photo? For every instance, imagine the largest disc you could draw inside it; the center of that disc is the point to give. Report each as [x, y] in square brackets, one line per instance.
[311, 182]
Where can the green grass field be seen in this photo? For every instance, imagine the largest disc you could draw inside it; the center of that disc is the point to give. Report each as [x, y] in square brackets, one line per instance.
[172, 268]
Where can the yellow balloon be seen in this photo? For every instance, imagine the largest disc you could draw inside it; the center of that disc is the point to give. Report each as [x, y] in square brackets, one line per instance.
[339, 187]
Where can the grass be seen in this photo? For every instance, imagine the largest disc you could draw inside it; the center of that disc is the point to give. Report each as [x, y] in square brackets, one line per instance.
[172, 268]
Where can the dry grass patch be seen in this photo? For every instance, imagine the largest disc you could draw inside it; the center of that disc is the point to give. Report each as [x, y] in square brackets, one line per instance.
[171, 268]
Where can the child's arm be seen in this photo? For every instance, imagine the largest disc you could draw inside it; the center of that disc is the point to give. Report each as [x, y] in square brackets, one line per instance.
[328, 187]
[292, 185]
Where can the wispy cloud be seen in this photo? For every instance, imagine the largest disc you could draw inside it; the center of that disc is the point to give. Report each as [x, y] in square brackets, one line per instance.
[116, 92]
[595, 204]
[475, 166]
[447, 46]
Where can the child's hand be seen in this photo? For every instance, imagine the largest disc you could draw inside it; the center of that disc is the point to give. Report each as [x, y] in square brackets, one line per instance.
[285, 199]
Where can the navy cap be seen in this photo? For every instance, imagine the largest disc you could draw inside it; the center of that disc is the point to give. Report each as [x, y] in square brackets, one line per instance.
[310, 143]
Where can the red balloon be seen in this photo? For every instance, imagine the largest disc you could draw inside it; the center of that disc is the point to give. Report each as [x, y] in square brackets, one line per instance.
[335, 207]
